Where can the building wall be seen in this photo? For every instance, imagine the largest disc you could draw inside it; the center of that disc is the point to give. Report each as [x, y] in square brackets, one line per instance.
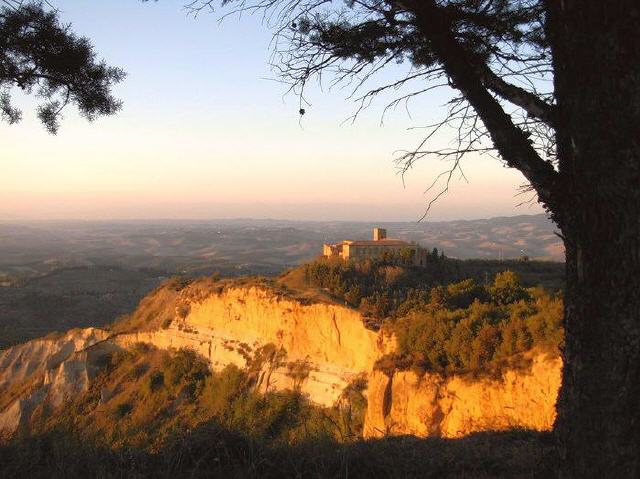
[351, 250]
[372, 251]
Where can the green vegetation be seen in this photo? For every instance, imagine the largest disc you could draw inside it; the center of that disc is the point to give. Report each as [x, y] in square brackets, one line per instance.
[465, 327]
[145, 397]
[383, 288]
[376, 286]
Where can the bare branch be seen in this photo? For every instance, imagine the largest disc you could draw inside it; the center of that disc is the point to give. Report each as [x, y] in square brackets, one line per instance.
[510, 141]
[494, 54]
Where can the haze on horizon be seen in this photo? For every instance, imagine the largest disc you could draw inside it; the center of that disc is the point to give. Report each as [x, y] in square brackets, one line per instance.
[206, 133]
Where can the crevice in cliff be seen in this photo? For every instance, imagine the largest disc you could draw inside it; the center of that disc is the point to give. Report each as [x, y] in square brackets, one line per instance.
[93, 345]
[435, 428]
[387, 399]
[335, 325]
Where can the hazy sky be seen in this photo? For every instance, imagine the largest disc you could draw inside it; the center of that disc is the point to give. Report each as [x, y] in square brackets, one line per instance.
[206, 133]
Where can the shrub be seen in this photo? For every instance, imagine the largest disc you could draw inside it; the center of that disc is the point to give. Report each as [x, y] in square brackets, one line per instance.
[464, 293]
[222, 389]
[482, 334]
[121, 410]
[153, 382]
[298, 371]
[184, 368]
[122, 356]
[183, 310]
[138, 370]
[506, 288]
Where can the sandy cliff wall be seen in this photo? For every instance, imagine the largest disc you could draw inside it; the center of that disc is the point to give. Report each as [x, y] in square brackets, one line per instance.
[318, 348]
[405, 403]
[48, 370]
[20, 362]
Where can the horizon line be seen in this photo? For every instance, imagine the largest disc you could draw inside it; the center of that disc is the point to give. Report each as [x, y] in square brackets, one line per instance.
[247, 218]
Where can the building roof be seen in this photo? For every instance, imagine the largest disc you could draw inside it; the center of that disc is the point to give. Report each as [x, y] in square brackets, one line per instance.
[382, 242]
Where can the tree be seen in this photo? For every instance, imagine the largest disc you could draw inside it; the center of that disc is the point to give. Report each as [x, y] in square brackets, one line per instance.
[506, 288]
[353, 296]
[552, 88]
[41, 56]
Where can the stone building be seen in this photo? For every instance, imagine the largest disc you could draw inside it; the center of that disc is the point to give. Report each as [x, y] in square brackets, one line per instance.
[376, 248]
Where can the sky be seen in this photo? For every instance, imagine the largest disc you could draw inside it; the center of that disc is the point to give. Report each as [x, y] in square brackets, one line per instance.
[206, 132]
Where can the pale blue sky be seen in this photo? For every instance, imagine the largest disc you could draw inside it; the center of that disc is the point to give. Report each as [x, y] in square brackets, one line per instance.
[204, 133]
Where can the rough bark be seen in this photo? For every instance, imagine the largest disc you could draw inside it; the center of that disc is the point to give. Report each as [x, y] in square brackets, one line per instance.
[597, 83]
[595, 199]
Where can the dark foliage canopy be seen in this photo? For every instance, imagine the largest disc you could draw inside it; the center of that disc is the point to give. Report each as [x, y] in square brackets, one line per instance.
[40, 55]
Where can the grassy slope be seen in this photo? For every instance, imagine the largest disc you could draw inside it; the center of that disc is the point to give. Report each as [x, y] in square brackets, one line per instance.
[211, 451]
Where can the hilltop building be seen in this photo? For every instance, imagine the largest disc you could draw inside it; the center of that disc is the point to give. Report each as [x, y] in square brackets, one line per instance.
[376, 248]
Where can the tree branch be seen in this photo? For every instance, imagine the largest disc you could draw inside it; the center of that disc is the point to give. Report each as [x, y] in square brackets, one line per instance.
[535, 106]
[510, 141]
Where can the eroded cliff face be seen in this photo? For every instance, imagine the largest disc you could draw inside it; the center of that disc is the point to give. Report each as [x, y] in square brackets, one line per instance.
[47, 371]
[317, 347]
[432, 405]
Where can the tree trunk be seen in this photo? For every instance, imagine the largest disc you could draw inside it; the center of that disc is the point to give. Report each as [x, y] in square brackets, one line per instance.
[596, 49]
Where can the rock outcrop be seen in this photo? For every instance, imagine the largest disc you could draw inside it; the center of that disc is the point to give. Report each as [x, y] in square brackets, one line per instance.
[48, 370]
[316, 347]
[432, 405]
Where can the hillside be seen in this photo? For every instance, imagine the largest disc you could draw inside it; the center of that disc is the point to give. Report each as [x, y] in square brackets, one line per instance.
[74, 297]
[151, 370]
[60, 275]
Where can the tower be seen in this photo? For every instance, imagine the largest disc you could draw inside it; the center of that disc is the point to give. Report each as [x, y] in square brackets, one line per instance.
[379, 234]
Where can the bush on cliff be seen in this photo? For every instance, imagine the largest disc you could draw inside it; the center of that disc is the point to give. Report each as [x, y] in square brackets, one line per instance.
[454, 327]
[384, 287]
[468, 328]
[145, 396]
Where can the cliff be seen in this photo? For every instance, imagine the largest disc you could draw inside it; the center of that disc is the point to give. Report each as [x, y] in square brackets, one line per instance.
[431, 405]
[47, 371]
[319, 347]
[284, 342]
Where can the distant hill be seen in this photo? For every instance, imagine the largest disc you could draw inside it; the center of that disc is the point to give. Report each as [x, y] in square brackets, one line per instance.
[492, 238]
[243, 246]
[59, 275]
[70, 298]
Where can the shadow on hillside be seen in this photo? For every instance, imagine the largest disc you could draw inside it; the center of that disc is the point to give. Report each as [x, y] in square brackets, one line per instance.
[210, 451]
